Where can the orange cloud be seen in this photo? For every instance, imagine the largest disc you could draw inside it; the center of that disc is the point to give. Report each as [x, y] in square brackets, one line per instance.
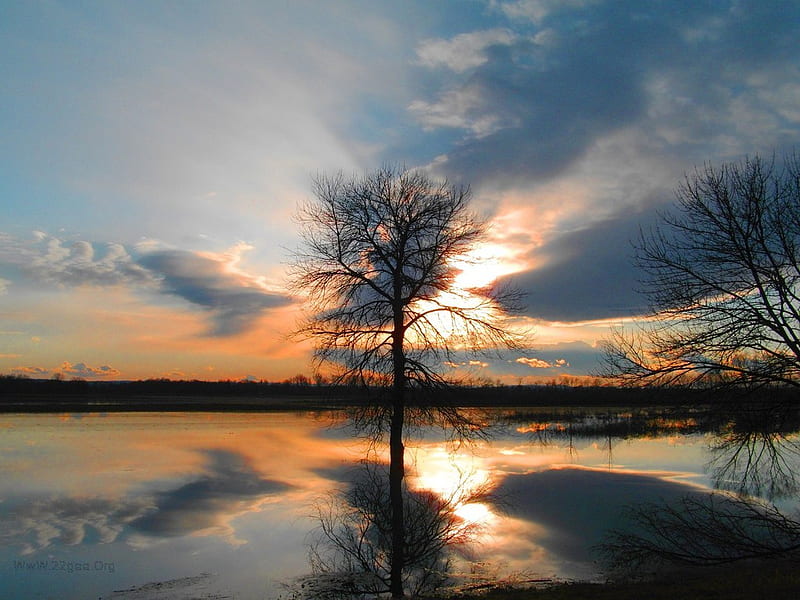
[85, 371]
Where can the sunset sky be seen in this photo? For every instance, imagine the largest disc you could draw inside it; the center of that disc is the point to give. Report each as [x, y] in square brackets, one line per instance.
[152, 155]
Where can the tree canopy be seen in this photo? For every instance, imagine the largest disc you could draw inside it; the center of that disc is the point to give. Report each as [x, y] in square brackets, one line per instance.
[721, 274]
[378, 270]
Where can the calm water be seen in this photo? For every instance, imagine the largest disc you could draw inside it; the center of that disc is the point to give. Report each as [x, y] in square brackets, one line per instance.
[220, 505]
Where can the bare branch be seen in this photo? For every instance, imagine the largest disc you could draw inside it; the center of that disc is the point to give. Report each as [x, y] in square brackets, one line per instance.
[723, 282]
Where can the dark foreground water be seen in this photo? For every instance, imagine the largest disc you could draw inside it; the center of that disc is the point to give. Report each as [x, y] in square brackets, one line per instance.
[220, 505]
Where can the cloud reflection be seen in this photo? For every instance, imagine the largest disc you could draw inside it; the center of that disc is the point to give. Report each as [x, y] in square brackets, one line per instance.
[66, 521]
[230, 487]
[576, 506]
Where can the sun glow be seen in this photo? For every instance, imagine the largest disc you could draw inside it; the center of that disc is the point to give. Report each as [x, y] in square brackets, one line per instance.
[443, 314]
[484, 264]
[475, 270]
[475, 512]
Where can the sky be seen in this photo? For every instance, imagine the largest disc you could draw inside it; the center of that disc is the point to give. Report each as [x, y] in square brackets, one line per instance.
[152, 154]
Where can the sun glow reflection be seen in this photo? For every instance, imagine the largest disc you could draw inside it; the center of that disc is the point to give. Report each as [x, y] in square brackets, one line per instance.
[456, 477]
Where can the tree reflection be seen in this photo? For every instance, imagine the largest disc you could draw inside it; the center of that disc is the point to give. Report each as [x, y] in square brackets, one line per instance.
[702, 530]
[351, 551]
[758, 462]
[564, 428]
[754, 449]
[755, 455]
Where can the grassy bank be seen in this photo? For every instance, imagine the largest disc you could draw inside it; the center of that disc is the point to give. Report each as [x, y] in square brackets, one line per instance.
[764, 581]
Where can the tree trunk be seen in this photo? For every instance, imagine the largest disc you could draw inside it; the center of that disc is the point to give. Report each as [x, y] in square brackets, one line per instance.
[397, 453]
[396, 475]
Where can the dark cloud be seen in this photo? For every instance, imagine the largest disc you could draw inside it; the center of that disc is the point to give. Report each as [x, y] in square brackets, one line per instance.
[543, 97]
[589, 274]
[230, 485]
[233, 300]
[342, 473]
[579, 506]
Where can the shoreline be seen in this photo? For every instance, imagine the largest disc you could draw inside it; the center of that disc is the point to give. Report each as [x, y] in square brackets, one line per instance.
[737, 581]
[172, 404]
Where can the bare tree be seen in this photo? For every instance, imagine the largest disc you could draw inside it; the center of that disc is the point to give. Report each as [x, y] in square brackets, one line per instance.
[378, 270]
[722, 277]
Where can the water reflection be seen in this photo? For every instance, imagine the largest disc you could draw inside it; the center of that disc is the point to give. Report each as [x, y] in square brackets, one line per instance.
[229, 487]
[756, 452]
[173, 496]
[575, 507]
[351, 553]
[34, 524]
[160, 497]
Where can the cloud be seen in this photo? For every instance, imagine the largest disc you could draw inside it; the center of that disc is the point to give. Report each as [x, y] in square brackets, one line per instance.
[52, 260]
[233, 298]
[241, 117]
[576, 357]
[466, 363]
[537, 363]
[84, 371]
[583, 116]
[214, 282]
[547, 360]
[464, 51]
[30, 371]
[585, 274]
[537, 10]
[690, 79]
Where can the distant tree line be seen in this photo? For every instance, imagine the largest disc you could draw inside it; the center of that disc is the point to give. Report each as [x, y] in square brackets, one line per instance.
[157, 394]
[294, 386]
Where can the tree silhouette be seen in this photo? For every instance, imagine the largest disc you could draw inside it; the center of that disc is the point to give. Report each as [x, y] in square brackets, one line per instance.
[378, 269]
[722, 277]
